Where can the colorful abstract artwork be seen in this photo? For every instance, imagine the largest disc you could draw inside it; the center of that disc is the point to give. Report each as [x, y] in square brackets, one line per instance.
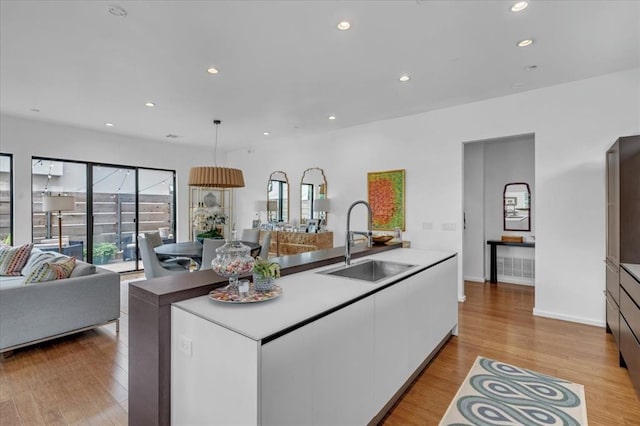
[386, 198]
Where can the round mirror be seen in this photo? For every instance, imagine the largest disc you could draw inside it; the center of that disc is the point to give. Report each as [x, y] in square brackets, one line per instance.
[313, 196]
[516, 207]
[278, 197]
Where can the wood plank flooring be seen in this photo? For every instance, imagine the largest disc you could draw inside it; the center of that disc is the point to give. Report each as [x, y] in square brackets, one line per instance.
[496, 322]
[82, 379]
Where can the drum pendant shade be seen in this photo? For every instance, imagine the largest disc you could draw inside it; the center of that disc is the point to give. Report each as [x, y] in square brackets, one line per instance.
[216, 177]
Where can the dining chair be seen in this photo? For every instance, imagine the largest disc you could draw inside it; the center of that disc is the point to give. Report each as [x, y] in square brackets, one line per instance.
[153, 267]
[156, 240]
[209, 246]
[266, 242]
[250, 235]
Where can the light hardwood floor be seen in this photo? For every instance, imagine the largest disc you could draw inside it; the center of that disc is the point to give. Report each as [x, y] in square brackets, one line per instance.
[82, 379]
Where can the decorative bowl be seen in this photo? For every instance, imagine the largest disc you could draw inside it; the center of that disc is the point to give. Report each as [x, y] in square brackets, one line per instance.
[381, 239]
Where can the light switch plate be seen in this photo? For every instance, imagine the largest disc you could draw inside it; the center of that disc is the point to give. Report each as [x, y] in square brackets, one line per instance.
[449, 226]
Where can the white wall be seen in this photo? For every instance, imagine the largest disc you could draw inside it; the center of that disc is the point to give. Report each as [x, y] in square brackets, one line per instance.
[573, 123]
[473, 233]
[26, 138]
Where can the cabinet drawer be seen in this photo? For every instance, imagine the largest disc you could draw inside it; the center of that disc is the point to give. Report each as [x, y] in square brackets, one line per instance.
[631, 285]
[630, 350]
[613, 281]
[613, 319]
[631, 313]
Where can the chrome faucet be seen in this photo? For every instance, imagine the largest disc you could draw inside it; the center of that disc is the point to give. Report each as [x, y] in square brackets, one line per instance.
[350, 233]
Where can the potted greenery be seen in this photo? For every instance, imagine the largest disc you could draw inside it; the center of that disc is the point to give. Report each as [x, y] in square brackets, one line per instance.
[213, 233]
[265, 274]
[103, 253]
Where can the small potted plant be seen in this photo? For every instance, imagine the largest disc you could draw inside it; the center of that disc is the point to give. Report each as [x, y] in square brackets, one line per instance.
[265, 274]
[104, 253]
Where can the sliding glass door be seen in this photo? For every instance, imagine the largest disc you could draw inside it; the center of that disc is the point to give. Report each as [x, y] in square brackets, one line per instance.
[114, 216]
[121, 202]
[54, 178]
[6, 198]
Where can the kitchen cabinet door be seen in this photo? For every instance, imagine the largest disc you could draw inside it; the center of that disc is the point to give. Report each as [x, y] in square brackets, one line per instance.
[286, 382]
[432, 308]
[391, 353]
[343, 366]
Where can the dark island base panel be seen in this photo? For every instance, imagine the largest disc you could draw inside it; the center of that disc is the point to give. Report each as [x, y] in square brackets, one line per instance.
[150, 326]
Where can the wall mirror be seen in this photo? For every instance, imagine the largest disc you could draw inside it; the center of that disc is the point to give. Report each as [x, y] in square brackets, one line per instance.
[516, 207]
[278, 197]
[313, 188]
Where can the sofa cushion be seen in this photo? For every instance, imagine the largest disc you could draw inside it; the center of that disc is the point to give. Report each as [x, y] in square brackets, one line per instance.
[38, 257]
[49, 271]
[83, 269]
[13, 259]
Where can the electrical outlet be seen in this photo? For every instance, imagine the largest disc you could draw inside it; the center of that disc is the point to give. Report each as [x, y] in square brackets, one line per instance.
[186, 346]
[449, 226]
[427, 226]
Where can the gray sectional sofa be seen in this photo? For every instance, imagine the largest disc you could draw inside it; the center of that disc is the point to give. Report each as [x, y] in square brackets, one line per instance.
[31, 313]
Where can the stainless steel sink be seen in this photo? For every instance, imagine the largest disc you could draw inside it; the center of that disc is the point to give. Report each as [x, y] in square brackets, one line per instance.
[369, 270]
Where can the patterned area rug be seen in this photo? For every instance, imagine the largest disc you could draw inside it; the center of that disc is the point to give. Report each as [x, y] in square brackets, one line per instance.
[495, 393]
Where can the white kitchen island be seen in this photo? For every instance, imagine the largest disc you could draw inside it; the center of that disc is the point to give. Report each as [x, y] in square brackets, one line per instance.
[328, 351]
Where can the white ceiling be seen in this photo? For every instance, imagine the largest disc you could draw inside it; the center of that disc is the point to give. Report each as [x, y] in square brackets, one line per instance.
[284, 67]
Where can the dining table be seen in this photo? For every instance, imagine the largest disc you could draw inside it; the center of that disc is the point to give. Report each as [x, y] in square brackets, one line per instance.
[193, 249]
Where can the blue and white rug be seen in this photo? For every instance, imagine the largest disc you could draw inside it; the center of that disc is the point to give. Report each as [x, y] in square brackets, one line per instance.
[499, 394]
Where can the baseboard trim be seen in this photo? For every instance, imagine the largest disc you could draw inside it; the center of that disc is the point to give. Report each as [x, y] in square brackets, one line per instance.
[570, 318]
[475, 279]
[462, 298]
[515, 280]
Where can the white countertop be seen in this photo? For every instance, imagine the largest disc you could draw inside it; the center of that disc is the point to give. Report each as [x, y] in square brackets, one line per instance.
[634, 269]
[304, 295]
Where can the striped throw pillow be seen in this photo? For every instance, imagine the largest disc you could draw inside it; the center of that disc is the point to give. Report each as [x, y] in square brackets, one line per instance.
[13, 259]
[49, 271]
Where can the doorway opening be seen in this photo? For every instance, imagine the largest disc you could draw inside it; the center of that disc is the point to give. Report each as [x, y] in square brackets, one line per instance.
[489, 167]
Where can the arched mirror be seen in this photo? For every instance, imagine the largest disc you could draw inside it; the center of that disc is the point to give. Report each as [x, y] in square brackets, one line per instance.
[313, 195]
[516, 207]
[278, 197]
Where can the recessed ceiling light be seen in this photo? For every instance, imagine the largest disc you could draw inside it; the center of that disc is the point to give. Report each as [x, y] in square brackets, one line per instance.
[35, 110]
[172, 136]
[531, 67]
[344, 25]
[266, 133]
[332, 117]
[108, 124]
[405, 78]
[521, 5]
[149, 104]
[117, 11]
[212, 70]
[526, 42]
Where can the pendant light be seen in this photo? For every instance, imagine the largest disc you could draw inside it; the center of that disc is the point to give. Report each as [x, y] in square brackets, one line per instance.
[214, 176]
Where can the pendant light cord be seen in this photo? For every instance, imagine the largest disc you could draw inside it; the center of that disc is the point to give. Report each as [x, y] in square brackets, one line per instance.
[215, 147]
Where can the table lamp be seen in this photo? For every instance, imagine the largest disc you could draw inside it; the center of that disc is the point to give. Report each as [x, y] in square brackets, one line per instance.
[322, 205]
[60, 203]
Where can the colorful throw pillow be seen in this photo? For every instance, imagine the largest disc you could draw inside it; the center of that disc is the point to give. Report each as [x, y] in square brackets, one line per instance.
[13, 259]
[50, 271]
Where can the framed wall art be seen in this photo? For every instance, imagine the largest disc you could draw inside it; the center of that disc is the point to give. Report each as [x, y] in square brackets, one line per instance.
[386, 197]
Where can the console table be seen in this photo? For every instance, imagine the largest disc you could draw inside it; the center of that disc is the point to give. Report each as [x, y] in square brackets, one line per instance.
[493, 278]
[285, 243]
